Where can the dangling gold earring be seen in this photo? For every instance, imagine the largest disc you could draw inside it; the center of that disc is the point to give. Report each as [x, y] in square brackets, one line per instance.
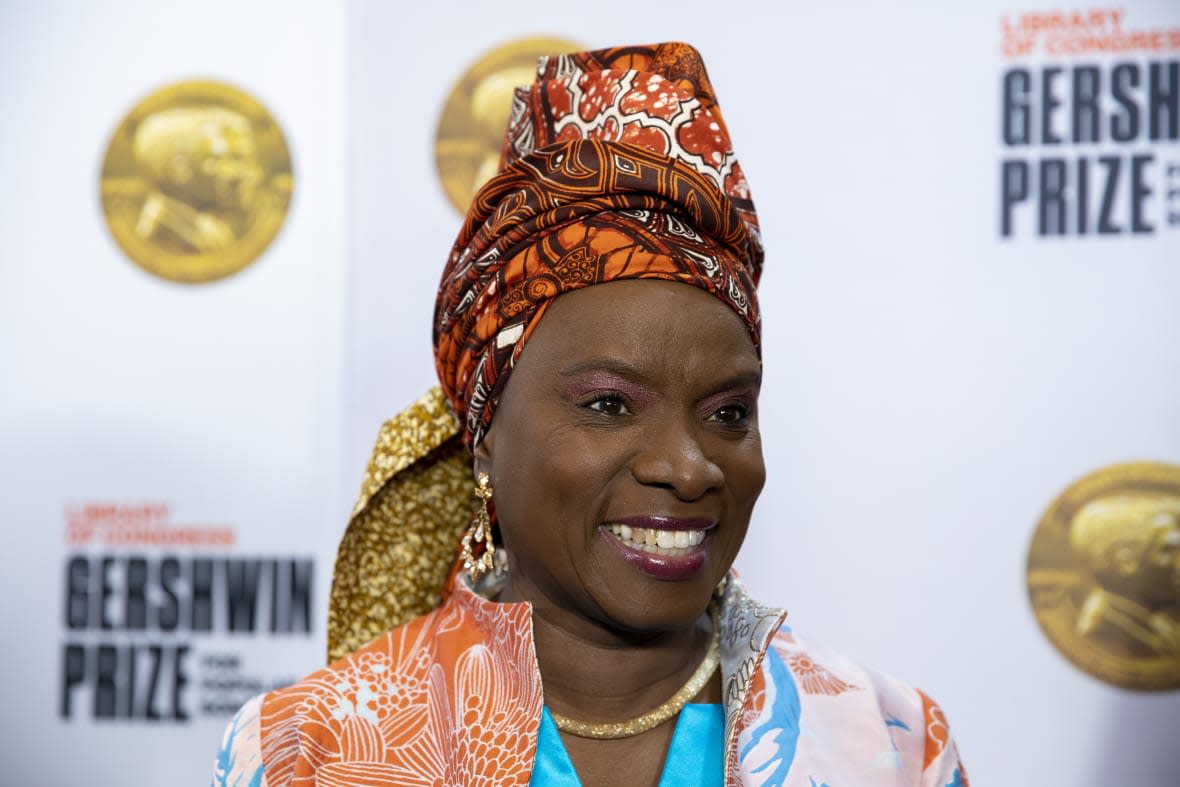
[479, 532]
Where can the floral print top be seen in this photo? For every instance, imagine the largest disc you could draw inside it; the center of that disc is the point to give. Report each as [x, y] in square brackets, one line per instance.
[455, 698]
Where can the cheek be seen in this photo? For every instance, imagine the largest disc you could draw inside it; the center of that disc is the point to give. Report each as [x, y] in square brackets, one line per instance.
[550, 483]
[748, 471]
[745, 477]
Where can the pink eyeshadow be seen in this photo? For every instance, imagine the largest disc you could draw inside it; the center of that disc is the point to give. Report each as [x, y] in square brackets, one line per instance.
[588, 383]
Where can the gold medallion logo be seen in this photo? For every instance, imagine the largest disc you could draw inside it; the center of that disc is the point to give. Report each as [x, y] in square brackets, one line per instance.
[471, 127]
[196, 181]
[1104, 575]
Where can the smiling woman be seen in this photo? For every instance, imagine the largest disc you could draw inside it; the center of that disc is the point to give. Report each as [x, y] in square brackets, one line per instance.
[627, 429]
[597, 341]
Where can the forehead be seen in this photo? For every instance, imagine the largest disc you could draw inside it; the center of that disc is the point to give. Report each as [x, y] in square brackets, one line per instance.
[642, 322]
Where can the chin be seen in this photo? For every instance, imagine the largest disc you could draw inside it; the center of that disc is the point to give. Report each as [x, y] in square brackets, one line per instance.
[661, 606]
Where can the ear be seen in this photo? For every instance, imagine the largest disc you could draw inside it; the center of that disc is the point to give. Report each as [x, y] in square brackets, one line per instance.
[483, 454]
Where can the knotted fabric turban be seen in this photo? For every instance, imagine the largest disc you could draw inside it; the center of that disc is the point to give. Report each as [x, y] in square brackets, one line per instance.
[616, 165]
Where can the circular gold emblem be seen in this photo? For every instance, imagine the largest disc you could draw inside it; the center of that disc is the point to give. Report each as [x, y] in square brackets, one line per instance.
[1104, 575]
[472, 124]
[196, 181]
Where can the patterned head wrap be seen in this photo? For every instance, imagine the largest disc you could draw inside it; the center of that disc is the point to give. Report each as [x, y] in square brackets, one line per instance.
[617, 165]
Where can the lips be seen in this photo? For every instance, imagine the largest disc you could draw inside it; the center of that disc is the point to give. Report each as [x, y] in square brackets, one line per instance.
[667, 548]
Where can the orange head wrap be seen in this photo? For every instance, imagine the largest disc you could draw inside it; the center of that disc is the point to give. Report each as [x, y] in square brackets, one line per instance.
[617, 165]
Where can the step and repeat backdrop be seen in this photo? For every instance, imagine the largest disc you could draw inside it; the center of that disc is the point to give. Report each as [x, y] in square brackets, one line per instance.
[172, 302]
[220, 236]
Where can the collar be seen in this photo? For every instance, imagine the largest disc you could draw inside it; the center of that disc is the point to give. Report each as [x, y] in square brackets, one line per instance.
[746, 630]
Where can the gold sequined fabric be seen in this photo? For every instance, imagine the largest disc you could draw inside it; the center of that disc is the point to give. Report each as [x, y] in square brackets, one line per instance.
[400, 544]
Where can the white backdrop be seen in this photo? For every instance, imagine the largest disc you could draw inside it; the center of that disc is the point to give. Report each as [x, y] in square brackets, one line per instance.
[930, 386]
[219, 401]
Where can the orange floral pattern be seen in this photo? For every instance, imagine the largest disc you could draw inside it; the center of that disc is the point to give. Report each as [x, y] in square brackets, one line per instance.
[938, 734]
[455, 698]
[436, 701]
[816, 679]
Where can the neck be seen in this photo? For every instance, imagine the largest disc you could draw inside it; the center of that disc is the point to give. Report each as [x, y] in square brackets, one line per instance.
[593, 671]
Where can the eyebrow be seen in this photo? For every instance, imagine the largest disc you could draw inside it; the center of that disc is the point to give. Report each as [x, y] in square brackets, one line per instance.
[612, 365]
[751, 377]
[743, 378]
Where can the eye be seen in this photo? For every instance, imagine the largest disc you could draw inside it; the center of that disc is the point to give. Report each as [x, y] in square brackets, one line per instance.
[608, 404]
[733, 414]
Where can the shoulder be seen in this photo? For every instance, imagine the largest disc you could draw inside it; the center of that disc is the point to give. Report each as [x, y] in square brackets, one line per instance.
[239, 759]
[269, 736]
[400, 654]
[858, 724]
[820, 671]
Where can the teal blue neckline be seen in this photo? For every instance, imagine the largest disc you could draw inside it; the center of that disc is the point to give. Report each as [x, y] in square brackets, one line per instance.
[695, 758]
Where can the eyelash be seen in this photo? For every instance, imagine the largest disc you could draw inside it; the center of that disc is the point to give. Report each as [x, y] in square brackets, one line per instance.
[597, 403]
[743, 414]
[604, 398]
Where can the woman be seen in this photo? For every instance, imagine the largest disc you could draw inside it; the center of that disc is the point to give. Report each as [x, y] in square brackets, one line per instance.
[597, 339]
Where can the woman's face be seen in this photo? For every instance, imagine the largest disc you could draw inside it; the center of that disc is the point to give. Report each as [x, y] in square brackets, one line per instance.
[633, 404]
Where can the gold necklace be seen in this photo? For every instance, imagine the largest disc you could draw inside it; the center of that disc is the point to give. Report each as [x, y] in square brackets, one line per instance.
[657, 716]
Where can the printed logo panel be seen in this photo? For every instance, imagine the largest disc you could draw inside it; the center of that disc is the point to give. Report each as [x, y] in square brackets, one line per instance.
[159, 616]
[196, 182]
[1104, 575]
[1089, 125]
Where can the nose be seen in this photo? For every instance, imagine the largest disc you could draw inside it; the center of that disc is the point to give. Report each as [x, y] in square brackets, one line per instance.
[672, 457]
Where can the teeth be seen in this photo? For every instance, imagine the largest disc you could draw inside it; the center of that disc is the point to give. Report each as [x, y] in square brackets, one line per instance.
[659, 542]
